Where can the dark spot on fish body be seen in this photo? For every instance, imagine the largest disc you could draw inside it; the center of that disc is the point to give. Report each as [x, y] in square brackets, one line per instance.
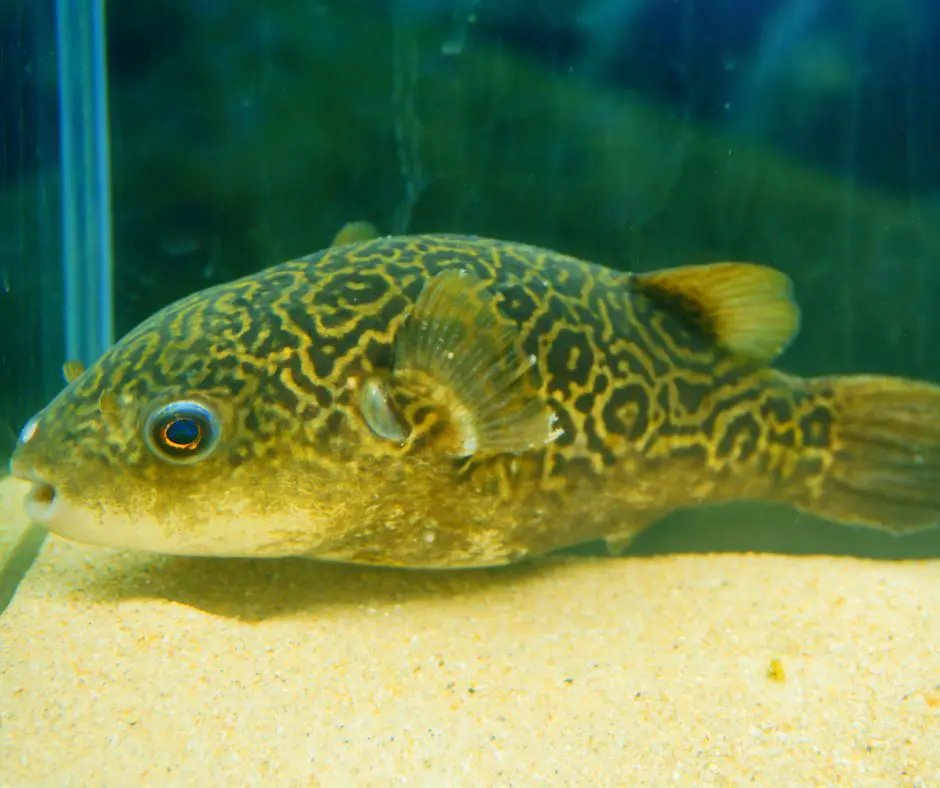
[516, 258]
[584, 404]
[533, 283]
[322, 356]
[596, 444]
[776, 415]
[777, 410]
[424, 418]
[347, 347]
[664, 404]
[241, 303]
[696, 352]
[668, 432]
[633, 357]
[420, 246]
[570, 467]
[538, 340]
[267, 451]
[600, 302]
[394, 307]
[642, 306]
[674, 419]
[270, 286]
[334, 422]
[692, 396]
[627, 411]
[816, 428]
[804, 397]
[221, 364]
[409, 277]
[137, 355]
[252, 422]
[286, 397]
[378, 355]
[515, 303]
[810, 465]
[685, 339]
[746, 397]
[266, 337]
[302, 381]
[348, 290]
[276, 419]
[785, 437]
[449, 258]
[741, 438]
[322, 396]
[583, 317]
[237, 454]
[565, 424]
[601, 383]
[336, 316]
[570, 361]
[558, 311]
[565, 279]
[684, 311]
[484, 480]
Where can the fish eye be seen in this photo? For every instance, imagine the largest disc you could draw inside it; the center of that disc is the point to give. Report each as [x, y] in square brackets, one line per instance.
[182, 432]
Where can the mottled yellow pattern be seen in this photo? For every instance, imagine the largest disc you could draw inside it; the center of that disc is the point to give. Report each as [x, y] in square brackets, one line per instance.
[654, 414]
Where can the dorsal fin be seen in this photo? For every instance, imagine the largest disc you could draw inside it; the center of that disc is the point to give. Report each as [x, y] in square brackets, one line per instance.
[72, 370]
[467, 363]
[355, 232]
[748, 309]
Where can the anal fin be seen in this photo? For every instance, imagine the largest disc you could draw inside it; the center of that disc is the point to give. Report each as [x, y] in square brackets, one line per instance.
[619, 543]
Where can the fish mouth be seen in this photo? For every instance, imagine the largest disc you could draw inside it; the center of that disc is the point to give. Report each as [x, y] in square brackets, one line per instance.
[40, 501]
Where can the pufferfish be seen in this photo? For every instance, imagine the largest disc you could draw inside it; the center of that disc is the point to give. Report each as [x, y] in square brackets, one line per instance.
[443, 401]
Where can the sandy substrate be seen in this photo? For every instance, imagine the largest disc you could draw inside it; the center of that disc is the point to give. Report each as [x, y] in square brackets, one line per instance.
[129, 670]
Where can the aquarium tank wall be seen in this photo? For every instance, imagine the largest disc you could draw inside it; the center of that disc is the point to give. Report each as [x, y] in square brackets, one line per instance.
[154, 149]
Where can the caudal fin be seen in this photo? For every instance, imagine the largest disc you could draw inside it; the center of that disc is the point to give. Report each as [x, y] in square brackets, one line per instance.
[885, 453]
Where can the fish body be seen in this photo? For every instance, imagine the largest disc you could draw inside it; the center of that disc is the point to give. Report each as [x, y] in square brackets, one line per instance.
[453, 401]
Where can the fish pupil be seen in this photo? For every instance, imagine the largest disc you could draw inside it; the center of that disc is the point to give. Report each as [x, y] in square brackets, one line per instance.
[183, 433]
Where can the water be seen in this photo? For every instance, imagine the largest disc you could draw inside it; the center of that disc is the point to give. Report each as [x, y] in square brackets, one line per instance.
[229, 136]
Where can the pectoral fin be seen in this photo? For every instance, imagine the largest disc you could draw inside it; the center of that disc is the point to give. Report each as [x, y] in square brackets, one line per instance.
[463, 359]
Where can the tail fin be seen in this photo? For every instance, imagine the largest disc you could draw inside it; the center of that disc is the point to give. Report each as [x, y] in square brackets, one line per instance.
[884, 452]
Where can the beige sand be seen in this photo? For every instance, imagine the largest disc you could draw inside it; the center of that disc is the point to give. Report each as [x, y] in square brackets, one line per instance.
[129, 670]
